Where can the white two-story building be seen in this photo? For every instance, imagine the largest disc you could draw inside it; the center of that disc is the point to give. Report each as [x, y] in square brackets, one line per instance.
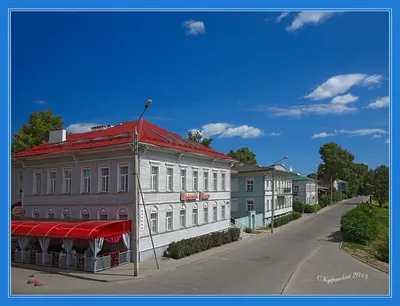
[186, 186]
[305, 190]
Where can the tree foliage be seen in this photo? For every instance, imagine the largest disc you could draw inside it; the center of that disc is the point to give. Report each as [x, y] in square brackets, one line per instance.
[36, 130]
[197, 136]
[244, 155]
[312, 176]
[336, 163]
[380, 185]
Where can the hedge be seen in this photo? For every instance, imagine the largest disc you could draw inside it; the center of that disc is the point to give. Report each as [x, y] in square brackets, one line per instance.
[286, 219]
[298, 206]
[359, 225]
[309, 209]
[383, 250]
[187, 247]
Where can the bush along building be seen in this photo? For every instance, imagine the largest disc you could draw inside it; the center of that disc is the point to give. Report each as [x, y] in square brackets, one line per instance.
[251, 186]
[305, 190]
[79, 178]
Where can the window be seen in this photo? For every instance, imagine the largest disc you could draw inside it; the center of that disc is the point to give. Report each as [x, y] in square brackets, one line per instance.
[182, 216]
[103, 214]
[215, 182]
[223, 181]
[51, 186]
[183, 179]
[50, 213]
[36, 213]
[215, 212]
[122, 214]
[195, 219]
[267, 208]
[154, 220]
[168, 219]
[170, 179]
[85, 215]
[66, 213]
[37, 183]
[205, 213]
[249, 185]
[250, 205]
[223, 211]
[195, 181]
[296, 190]
[154, 179]
[67, 181]
[123, 178]
[86, 177]
[104, 179]
[205, 180]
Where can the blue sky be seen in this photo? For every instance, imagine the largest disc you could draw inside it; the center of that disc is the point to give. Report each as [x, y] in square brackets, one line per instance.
[280, 83]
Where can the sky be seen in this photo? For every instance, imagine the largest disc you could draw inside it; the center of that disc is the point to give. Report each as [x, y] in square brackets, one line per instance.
[280, 83]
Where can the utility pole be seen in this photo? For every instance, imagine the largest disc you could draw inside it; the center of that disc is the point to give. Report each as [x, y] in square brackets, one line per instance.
[135, 191]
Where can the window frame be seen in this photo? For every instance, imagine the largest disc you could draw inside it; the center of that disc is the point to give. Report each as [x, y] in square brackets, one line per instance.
[100, 178]
[195, 215]
[215, 213]
[248, 205]
[48, 213]
[35, 190]
[206, 217]
[169, 219]
[154, 210]
[223, 211]
[119, 214]
[157, 177]
[206, 182]
[49, 181]
[183, 179]
[249, 182]
[63, 213]
[99, 213]
[64, 181]
[35, 211]
[126, 177]
[83, 179]
[81, 214]
[182, 217]
[169, 179]
[215, 181]
[223, 181]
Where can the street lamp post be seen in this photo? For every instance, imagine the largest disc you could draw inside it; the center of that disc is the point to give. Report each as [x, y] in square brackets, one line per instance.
[135, 192]
[273, 192]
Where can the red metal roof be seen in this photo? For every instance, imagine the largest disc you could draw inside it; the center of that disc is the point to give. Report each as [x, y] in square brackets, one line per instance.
[122, 134]
[74, 229]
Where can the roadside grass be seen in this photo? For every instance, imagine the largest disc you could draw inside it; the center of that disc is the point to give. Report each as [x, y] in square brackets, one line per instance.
[371, 252]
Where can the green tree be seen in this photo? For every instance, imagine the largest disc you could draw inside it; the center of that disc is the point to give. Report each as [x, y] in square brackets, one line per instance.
[197, 136]
[380, 185]
[36, 130]
[244, 155]
[312, 176]
[336, 163]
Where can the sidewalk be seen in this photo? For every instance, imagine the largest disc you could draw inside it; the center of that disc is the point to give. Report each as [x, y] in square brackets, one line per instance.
[148, 268]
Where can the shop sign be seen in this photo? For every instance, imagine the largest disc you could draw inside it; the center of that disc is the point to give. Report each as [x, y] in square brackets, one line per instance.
[189, 196]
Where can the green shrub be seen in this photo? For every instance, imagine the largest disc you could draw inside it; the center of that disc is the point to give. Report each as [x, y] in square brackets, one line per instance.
[298, 206]
[383, 250]
[359, 225]
[248, 230]
[323, 201]
[308, 209]
[286, 219]
[187, 247]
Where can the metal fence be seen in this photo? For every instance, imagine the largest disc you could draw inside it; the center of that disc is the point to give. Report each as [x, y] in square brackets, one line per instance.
[102, 263]
[125, 257]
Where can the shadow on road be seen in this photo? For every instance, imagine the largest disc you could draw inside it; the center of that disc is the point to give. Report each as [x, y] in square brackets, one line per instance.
[335, 237]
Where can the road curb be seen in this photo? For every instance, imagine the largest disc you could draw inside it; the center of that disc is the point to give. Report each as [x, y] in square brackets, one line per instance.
[363, 261]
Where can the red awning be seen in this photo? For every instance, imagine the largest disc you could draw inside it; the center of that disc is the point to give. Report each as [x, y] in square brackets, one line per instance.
[74, 229]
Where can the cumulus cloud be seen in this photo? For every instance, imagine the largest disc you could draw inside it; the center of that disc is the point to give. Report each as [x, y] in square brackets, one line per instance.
[77, 128]
[308, 17]
[281, 16]
[226, 130]
[321, 135]
[379, 103]
[377, 133]
[194, 28]
[349, 98]
[373, 81]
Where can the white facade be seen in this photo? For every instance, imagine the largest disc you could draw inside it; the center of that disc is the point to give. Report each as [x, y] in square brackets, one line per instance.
[305, 191]
[97, 185]
[283, 198]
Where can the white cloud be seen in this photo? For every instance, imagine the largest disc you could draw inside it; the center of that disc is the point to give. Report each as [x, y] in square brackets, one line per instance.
[377, 133]
[336, 85]
[362, 132]
[275, 134]
[308, 17]
[349, 98]
[387, 141]
[379, 103]
[226, 130]
[81, 127]
[194, 28]
[281, 16]
[373, 81]
[40, 102]
[313, 109]
[321, 135]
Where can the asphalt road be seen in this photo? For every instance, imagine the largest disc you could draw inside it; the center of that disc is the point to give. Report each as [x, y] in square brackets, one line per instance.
[299, 260]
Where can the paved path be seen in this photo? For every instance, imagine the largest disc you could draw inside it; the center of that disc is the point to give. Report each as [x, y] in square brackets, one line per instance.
[291, 261]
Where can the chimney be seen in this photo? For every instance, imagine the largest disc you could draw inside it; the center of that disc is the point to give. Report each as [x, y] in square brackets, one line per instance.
[58, 136]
